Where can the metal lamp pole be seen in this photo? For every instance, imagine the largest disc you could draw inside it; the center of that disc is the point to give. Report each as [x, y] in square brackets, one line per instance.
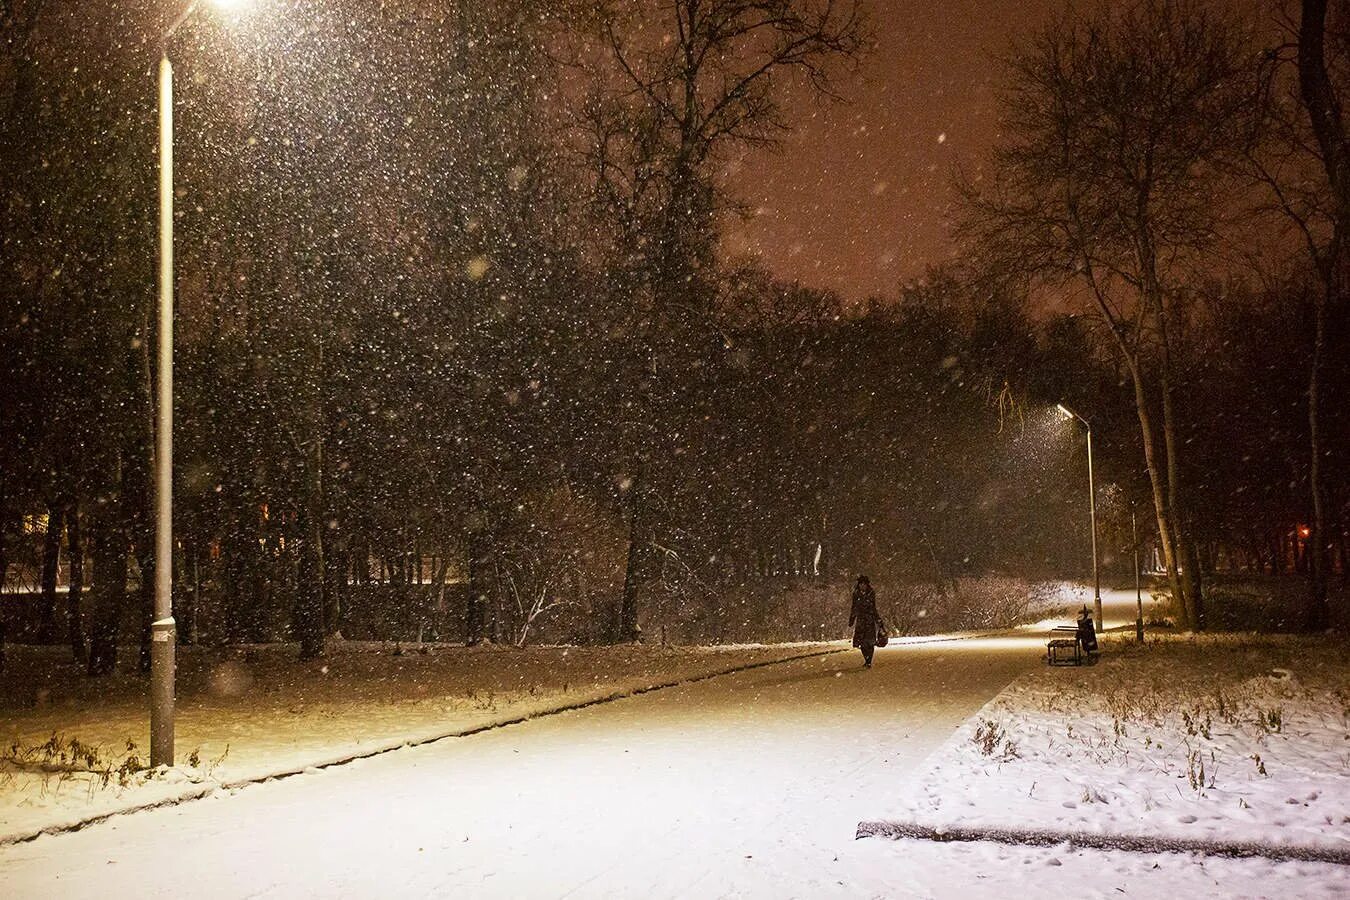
[1138, 592]
[1092, 509]
[162, 630]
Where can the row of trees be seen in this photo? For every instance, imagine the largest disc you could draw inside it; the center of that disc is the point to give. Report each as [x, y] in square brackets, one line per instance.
[1164, 164]
[451, 305]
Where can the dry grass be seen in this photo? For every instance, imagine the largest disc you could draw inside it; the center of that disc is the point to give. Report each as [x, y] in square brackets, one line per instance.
[1196, 702]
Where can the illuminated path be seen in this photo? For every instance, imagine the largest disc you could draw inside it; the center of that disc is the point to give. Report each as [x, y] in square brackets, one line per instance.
[1119, 612]
[750, 784]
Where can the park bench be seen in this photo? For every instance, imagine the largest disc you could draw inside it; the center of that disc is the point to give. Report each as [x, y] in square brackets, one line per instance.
[1063, 648]
[1071, 644]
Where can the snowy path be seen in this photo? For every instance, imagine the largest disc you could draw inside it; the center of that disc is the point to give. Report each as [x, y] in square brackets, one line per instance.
[748, 785]
[1119, 611]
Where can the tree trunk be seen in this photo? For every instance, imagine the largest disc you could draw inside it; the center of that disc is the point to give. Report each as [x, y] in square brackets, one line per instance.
[138, 507]
[138, 484]
[310, 610]
[496, 618]
[1319, 612]
[1160, 506]
[189, 583]
[109, 545]
[435, 595]
[237, 582]
[74, 615]
[628, 629]
[4, 567]
[1324, 109]
[1187, 560]
[51, 561]
[1343, 554]
[308, 615]
[1184, 555]
[335, 567]
[145, 562]
[475, 596]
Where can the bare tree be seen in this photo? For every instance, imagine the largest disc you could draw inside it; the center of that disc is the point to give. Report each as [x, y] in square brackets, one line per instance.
[1332, 258]
[676, 87]
[1109, 178]
[555, 553]
[1300, 156]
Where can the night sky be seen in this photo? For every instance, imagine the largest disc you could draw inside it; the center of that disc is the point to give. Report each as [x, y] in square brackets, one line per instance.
[857, 198]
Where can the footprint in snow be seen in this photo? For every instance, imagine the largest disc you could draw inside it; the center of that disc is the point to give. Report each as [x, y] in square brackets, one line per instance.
[1187, 820]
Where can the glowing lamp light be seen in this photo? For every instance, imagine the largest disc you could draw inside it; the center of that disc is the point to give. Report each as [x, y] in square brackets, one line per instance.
[1063, 411]
[1304, 532]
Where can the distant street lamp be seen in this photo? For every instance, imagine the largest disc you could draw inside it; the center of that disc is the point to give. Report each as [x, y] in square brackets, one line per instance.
[162, 629]
[1092, 509]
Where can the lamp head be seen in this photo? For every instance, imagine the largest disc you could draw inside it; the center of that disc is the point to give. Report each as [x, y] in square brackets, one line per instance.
[1063, 411]
[229, 7]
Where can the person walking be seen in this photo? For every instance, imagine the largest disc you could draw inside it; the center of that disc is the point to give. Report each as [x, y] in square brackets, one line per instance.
[864, 619]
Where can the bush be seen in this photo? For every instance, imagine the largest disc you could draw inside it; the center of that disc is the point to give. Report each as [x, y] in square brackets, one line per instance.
[1270, 604]
[986, 603]
[799, 608]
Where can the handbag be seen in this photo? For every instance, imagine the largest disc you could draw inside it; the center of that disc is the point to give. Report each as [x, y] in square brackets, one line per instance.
[882, 638]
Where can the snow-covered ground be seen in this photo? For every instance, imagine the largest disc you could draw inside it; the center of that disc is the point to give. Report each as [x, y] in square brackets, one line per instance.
[251, 712]
[749, 785]
[1225, 739]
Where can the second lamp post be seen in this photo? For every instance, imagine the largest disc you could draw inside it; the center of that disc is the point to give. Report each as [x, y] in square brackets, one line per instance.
[1092, 509]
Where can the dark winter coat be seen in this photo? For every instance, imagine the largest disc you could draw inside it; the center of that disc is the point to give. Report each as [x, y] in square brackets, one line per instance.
[864, 617]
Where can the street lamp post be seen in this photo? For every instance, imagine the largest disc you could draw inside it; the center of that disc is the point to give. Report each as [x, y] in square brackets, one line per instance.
[1138, 591]
[162, 630]
[1092, 510]
[163, 636]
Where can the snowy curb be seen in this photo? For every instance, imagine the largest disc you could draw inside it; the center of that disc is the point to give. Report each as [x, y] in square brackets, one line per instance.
[201, 792]
[1131, 843]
